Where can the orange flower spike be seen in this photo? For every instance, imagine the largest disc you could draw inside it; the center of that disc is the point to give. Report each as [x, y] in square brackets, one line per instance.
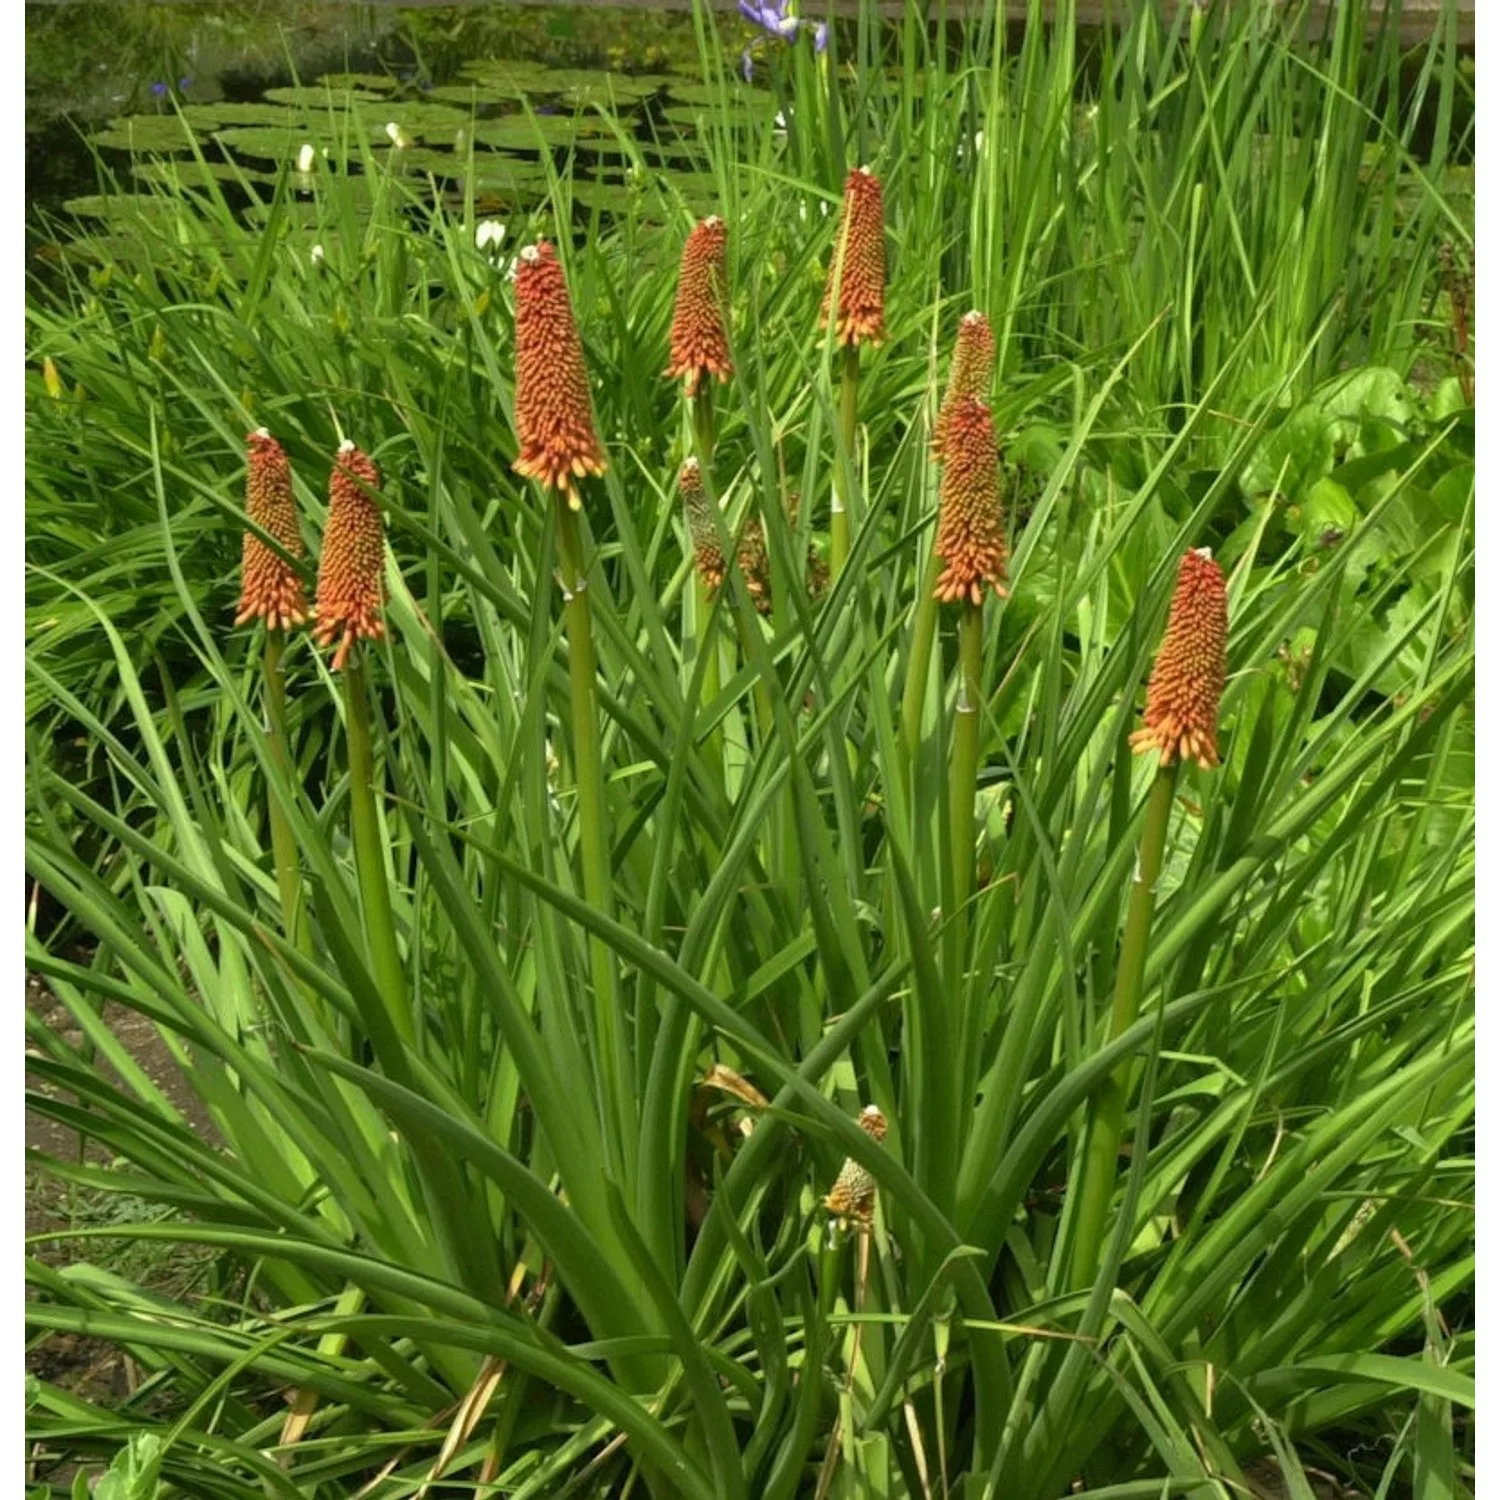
[270, 588]
[700, 346]
[971, 524]
[706, 550]
[861, 282]
[554, 420]
[971, 373]
[1187, 682]
[351, 588]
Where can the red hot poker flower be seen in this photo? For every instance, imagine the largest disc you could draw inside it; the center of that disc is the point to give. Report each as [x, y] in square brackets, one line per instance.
[351, 573]
[861, 280]
[700, 346]
[971, 373]
[270, 588]
[554, 420]
[971, 524]
[1187, 682]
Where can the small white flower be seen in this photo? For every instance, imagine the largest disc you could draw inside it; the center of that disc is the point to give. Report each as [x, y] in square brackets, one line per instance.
[979, 141]
[490, 233]
[823, 206]
[306, 156]
[398, 137]
[315, 255]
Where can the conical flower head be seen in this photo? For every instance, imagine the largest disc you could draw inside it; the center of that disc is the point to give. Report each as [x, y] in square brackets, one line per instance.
[971, 373]
[861, 279]
[351, 572]
[1187, 682]
[270, 588]
[971, 524]
[554, 420]
[853, 1193]
[707, 553]
[700, 346]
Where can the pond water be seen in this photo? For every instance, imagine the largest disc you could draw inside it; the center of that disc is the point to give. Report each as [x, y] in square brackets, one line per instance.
[110, 87]
[259, 84]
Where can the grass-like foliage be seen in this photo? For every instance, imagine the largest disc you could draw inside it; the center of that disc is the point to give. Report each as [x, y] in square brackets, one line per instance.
[539, 969]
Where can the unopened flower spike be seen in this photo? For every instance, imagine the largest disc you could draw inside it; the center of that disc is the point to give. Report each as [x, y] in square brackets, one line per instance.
[270, 588]
[971, 373]
[351, 586]
[852, 1196]
[861, 278]
[554, 419]
[971, 524]
[755, 564]
[700, 344]
[1187, 682]
[707, 553]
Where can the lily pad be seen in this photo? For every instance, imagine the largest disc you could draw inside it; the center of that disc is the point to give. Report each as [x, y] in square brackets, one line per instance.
[380, 82]
[736, 117]
[317, 97]
[268, 143]
[707, 94]
[581, 86]
[121, 206]
[195, 173]
[512, 76]
[206, 117]
[145, 133]
[517, 133]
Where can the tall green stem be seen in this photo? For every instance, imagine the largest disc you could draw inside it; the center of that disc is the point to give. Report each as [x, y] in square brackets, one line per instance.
[964, 770]
[703, 424]
[838, 522]
[283, 844]
[1107, 1120]
[369, 852]
[919, 663]
[588, 769]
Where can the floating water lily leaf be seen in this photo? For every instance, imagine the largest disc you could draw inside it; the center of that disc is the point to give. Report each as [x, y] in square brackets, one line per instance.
[270, 143]
[380, 82]
[145, 133]
[582, 86]
[513, 77]
[206, 117]
[517, 133]
[122, 206]
[706, 94]
[315, 96]
[195, 173]
[736, 117]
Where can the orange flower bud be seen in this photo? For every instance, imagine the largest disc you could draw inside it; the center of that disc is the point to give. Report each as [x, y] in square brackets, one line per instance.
[861, 279]
[971, 373]
[554, 420]
[699, 344]
[971, 525]
[707, 552]
[853, 1194]
[1182, 698]
[351, 573]
[270, 588]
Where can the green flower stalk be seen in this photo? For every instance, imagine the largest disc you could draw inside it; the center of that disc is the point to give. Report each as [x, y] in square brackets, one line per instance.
[1181, 722]
[271, 591]
[350, 601]
[559, 446]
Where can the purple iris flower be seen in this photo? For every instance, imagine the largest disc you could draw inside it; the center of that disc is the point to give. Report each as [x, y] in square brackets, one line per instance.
[771, 17]
[159, 89]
